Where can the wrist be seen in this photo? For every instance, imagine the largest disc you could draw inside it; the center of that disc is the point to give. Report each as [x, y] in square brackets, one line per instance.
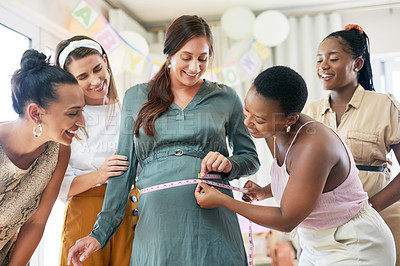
[224, 200]
[373, 205]
[101, 178]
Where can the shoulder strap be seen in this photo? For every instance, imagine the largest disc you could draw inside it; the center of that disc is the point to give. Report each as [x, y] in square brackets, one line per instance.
[291, 144]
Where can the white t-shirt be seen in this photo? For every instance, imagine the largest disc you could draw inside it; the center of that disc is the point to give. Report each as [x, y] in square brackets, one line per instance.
[88, 154]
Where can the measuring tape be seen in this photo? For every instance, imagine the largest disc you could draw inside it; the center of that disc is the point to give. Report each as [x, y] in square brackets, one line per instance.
[205, 179]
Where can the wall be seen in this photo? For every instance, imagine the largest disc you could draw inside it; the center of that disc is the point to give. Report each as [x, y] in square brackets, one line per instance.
[56, 12]
[51, 18]
[381, 26]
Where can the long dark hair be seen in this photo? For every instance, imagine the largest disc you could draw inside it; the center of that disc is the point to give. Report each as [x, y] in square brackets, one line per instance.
[160, 95]
[355, 38]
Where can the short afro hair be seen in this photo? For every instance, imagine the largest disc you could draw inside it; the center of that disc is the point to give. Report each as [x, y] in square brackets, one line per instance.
[285, 85]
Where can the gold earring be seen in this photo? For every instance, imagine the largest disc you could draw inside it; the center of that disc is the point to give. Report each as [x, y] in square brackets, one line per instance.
[356, 69]
[288, 129]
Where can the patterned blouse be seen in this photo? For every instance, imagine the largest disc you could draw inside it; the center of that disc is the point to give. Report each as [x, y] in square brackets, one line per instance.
[20, 192]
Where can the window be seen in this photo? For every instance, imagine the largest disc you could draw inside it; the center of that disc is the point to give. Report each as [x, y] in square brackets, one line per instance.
[11, 52]
[386, 74]
[18, 34]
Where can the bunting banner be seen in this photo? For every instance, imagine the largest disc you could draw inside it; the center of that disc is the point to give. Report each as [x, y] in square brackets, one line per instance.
[88, 20]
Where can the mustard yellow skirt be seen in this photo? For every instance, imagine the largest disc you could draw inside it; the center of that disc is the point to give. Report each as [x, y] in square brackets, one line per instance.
[79, 218]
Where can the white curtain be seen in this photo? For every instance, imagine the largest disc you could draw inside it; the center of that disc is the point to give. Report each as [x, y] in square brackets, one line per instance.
[300, 48]
[299, 53]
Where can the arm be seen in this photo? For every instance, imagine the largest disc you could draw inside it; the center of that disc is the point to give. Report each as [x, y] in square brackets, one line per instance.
[391, 193]
[32, 231]
[244, 159]
[117, 193]
[114, 165]
[308, 174]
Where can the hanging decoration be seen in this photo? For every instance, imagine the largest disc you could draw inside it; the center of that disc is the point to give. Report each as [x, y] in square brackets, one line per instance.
[237, 22]
[271, 28]
[129, 51]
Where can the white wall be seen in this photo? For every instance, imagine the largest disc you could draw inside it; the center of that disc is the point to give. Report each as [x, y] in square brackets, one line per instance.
[381, 25]
[55, 11]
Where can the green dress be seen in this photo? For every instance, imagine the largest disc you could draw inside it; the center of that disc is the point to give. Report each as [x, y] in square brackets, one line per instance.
[172, 228]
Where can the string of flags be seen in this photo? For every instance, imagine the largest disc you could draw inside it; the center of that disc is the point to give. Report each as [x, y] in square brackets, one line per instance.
[88, 20]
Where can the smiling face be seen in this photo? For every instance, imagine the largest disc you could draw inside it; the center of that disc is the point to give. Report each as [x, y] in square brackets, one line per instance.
[263, 117]
[63, 117]
[335, 65]
[93, 78]
[190, 62]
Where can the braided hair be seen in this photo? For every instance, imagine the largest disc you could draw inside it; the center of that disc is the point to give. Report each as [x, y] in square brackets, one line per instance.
[356, 40]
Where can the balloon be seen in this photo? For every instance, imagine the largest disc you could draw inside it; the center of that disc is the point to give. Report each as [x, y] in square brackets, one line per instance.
[237, 22]
[271, 28]
[136, 40]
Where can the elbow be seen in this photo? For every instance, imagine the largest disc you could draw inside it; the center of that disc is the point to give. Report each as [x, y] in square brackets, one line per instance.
[287, 228]
[254, 166]
[287, 225]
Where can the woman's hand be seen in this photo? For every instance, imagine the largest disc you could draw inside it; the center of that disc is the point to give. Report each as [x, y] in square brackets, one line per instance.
[208, 197]
[216, 162]
[114, 165]
[84, 246]
[254, 192]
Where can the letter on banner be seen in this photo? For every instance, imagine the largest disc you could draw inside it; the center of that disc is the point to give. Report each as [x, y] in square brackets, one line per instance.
[133, 62]
[262, 50]
[155, 67]
[84, 14]
[108, 38]
[251, 63]
[231, 76]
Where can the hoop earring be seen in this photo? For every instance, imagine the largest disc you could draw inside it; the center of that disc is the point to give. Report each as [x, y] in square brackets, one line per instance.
[288, 129]
[40, 131]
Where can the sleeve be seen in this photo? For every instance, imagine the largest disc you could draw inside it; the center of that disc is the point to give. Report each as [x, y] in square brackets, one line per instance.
[66, 184]
[393, 131]
[118, 188]
[308, 110]
[244, 157]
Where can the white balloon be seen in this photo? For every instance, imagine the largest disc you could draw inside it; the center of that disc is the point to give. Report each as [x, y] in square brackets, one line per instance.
[271, 28]
[237, 22]
[136, 40]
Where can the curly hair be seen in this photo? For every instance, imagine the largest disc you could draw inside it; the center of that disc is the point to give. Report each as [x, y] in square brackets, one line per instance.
[284, 85]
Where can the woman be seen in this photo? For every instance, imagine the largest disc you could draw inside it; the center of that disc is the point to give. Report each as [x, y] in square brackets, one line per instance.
[313, 179]
[50, 101]
[93, 158]
[168, 126]
[344, 68]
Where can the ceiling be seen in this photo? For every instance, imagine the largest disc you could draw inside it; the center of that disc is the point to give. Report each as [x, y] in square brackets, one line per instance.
[156, 13]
